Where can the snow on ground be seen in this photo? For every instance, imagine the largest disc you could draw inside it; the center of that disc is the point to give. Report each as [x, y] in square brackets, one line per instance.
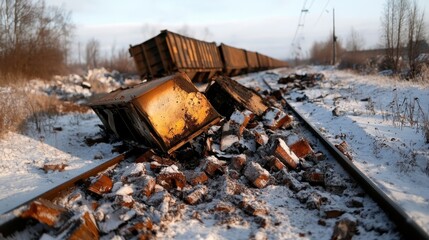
[22, 156]
[380, 119]
[393, 153]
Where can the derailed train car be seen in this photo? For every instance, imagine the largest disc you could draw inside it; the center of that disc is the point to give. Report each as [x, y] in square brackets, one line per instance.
[164, 113]
[234, 59]
[170, 52]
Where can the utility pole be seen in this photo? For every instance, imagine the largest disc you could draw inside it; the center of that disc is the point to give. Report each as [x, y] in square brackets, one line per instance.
[334, 38]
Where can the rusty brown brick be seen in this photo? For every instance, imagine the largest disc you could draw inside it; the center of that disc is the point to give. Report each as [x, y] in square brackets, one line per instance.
[196, 177]
[260, 138]
[275, 118]
[343, 147]
[147, 184]
[274, 163]
[102, 185]
[44, 211]
[212, 166]
[314, 178]
[283, 152]
[151, 156]
[144, 224]
[256, 174]
[54, 167]
[301, 148]
[253, 208]
[242, 118]
[344, 229]
[238, 162]
[196, 195]
[171, 178]
[224, 207]
[333, 213]
[85, 228]
[124, 201]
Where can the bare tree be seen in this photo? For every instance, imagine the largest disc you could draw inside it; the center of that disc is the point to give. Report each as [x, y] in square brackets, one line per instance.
[355, 41]
[92, 53]
[393, 24]
[34, 38]
[416, 35]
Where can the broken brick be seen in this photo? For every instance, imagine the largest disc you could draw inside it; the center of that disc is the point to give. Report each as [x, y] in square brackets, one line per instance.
[224, 207]
[258, 176]
[196, 195]
[134, 170]
[343, 148]
[238, 162]
[242, 119]
[230, 134]
[102, 185]
[333, 213]
[283, 152]
[171, 177]
[344, 229]
[196, 177]
[260, 138]
[273, 163]
[275, 118]
[124, 201]
[212, 166]
[301, 148]
[54, 167]
[253, 208]
[45, 212]
[144, 225]
[82, 228]
[151, 156]
[291, 181]
[314, 178]
[147, 184]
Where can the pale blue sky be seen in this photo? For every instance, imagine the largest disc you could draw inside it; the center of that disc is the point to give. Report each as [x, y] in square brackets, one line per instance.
[267, 26]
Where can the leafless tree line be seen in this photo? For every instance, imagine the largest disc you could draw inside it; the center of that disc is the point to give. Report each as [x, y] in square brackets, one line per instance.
[403, 32]
[34, 38]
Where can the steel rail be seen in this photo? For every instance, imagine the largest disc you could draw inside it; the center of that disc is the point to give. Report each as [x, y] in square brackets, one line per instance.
[15, 223]
[405, 224]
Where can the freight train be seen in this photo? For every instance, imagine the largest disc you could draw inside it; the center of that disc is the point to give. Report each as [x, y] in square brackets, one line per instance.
[168, 53]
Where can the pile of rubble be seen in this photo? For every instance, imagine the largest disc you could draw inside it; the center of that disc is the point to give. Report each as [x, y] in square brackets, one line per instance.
[218, 173]
[301, 81]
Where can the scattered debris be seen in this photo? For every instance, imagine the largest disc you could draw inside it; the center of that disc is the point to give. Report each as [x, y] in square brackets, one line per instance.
[54, 167]
[102, 185]
[343, 147]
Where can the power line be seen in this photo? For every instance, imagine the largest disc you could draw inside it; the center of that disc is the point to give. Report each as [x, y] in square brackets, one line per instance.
[323, 9]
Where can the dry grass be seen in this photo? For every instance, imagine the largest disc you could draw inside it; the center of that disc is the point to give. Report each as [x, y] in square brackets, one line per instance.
[20, 107]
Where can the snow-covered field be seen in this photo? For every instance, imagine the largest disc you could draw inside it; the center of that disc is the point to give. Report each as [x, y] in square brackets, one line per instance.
[381, 119]
[384, 145]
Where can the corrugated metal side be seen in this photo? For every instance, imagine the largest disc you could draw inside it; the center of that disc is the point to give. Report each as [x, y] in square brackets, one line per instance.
[252, 60]
[191, 54]
[263, 61]
[234, 58]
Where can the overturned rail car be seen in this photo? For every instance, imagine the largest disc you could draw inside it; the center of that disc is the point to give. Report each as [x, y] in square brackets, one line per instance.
[170, 52]
[164, 113]
[234, 59]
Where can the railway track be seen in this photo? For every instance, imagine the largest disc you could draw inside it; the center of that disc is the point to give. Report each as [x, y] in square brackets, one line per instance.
[226, 196]
[402, 220]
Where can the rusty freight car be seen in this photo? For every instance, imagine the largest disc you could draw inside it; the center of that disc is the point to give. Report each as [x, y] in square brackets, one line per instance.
[170, 52]
[164, 113]
[234, 59]
[252, 61]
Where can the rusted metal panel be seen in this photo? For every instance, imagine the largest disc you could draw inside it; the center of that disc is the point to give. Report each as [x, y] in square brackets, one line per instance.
[263, 61]
[164, 113]
[170, 52]
[226, 95]
[234, 59]
[252, 61]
